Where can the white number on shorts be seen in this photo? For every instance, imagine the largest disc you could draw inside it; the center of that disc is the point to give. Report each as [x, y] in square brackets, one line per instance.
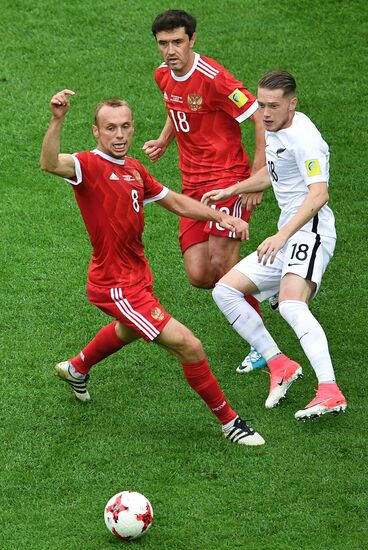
[179, 119]
[135, 198]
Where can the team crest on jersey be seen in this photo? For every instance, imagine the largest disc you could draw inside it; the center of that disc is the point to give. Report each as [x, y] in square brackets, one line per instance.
[313, 167]
[157, 314]
[137, 176]
[194, 101]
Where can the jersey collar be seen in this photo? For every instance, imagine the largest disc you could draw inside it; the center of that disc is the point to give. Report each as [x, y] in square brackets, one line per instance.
[190, 72]
[107, 157]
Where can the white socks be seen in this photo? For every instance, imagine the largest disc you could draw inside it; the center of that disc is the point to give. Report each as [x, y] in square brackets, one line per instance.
[245, 320]
[311, 336]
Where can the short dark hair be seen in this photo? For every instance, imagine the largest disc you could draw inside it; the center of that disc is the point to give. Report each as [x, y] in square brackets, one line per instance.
[278, 80]
[173, 19]
[112, 102]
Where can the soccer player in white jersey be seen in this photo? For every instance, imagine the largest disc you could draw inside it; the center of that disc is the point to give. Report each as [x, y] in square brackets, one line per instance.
[205, 106]
[294, 259]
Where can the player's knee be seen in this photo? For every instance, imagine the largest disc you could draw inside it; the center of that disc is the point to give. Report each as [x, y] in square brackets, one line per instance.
[226, 297]
[293, 311]
[194, 348]
[200, 279]
[187, 347]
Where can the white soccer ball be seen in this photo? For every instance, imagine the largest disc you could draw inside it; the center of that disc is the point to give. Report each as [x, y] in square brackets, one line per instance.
[128, 515]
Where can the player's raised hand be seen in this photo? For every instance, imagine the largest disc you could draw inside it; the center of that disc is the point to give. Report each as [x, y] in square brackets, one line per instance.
[268, 249]
[154, 149]
[60, 103]
[214, 196]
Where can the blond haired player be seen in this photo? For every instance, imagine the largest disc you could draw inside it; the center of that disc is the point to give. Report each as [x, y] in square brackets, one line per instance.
[294, 259]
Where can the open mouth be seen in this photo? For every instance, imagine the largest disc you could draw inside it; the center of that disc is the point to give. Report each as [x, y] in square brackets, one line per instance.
[119, 146]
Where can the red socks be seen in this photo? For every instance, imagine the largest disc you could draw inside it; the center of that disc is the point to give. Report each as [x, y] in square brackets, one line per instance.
[203, 381]
[103, 344]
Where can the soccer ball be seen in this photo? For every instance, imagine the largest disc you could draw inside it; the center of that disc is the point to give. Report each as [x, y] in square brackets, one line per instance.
[128, 515]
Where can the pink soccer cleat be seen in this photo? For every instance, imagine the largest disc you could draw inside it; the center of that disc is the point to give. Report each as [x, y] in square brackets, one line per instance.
[329, 399]
[283, 373]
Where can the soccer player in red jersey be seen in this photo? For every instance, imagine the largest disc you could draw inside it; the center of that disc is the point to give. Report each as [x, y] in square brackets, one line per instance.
[205, 106]
[111, 190]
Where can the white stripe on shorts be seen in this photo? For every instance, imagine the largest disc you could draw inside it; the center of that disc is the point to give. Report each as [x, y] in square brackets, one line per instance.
[134, 316]
[237, 212]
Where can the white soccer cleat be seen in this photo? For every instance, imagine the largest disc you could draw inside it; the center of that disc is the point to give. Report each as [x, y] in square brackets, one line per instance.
[243, 434]
[274, 302]
[253, 361]
[78, 385]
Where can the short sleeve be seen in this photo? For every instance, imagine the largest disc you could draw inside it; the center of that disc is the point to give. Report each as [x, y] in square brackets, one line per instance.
[312, 157]
[80, 160]
[153, 189]
[230, 95]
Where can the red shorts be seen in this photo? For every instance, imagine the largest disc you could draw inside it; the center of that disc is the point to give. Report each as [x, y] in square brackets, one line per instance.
[139, 310]
[193, 232]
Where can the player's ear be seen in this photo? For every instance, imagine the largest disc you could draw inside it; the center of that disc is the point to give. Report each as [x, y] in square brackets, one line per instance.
[193, 39]
[293, 103]
[95, 131]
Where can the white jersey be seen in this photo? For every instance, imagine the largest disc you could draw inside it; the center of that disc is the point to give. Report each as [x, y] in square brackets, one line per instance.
[296, 157]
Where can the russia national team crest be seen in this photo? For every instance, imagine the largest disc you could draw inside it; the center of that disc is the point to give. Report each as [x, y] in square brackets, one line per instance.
[157, 314]
[137, 176]
[194, 101]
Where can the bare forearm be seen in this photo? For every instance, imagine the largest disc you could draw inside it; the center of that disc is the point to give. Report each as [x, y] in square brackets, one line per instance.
[307, 210]
[257, 182]
[189, 208]
[259, 149]
[167, 133]
[51, 146]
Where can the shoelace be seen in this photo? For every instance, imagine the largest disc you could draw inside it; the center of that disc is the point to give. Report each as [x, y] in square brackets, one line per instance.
[242, 423]
[254, 356]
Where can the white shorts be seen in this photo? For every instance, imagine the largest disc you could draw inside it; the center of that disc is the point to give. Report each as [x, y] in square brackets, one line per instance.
[306, 254]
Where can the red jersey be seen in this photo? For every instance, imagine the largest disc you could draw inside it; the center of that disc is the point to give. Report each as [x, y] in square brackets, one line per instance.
[205, 107]
[111, 194]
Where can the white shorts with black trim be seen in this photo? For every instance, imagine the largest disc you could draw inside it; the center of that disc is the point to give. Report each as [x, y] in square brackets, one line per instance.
[306, 254]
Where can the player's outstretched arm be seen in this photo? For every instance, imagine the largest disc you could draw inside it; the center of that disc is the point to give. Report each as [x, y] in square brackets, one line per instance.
[51, 159]
[155, 148]
[190, 208]
[256, 183]
[260, 142]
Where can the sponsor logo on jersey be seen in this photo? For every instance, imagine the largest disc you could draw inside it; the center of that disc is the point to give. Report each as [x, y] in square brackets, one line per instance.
[176, 98]
[313, 167]
[157, 314]
[128, 177]
[194, 101]
[113, 176]
[279, 151]
[238, 98]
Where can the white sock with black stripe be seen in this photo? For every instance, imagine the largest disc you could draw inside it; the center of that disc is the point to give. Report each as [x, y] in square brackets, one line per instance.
[311, 336]
[245, 320]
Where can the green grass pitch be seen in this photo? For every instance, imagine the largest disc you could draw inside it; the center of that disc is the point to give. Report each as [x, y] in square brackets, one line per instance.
[145, 429]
